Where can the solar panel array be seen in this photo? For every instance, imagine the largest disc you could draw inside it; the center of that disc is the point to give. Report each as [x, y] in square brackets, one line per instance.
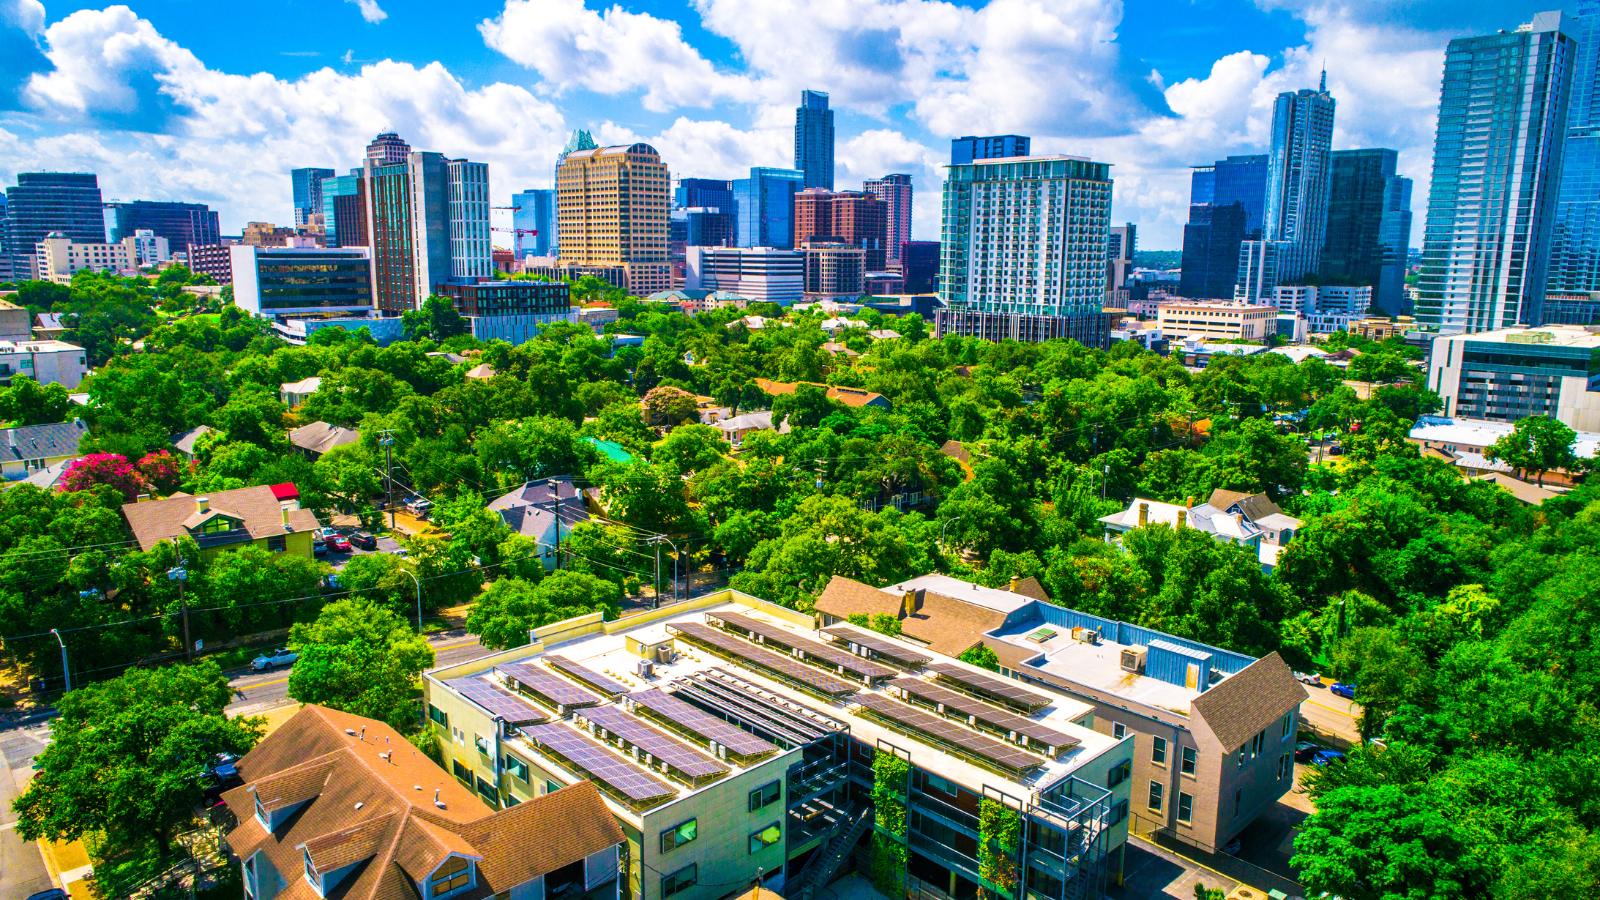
[1001, 754]
[547, 685]
[600, 763]
[1036, 732]
[738, 741]
[498, 701]
[673, 752]
[825, 652]
[1003, 688]
[762, 710]
[787, 666]
[881, 645]
[586, 675]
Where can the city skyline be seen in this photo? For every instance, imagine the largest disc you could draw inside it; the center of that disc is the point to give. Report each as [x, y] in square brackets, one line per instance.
[182, 113]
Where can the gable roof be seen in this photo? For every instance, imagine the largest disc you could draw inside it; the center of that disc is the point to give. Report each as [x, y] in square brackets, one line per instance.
[944, 624]
[1249, 700]
[534, 508]
[320, 437]
[184, 443]
[42, 441]
[1255, 506]
[261, 512]
[848, 396]
[1030, 587]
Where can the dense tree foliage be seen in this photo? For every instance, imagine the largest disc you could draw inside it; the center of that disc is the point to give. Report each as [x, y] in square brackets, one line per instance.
[361, 658]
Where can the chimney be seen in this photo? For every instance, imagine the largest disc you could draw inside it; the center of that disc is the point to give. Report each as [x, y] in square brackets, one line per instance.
[285, 510]
[1015, 582]
[202, 504]
[1188, 503]
[1144, 514]
[1183, 517]
[908, 604]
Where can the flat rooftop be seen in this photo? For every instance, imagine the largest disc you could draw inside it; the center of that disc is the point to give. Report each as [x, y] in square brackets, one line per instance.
[1543, 336]
[1097, 665]
[1482, 433]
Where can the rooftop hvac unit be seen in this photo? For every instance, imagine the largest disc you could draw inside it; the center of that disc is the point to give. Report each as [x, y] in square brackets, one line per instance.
[647, 669]
[1090, 636]
[1133, 659]
[1077, 632]
[664, 654]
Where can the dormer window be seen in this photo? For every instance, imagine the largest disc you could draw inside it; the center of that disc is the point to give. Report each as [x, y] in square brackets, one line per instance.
[454, 876]
[261, 815]
[217, 525]
[311, 874]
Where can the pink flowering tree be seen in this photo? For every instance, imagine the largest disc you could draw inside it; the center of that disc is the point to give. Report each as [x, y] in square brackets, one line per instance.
[162, 471]
[104, 468]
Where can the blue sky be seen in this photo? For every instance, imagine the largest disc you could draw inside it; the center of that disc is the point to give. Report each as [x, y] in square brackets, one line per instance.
[184, 100]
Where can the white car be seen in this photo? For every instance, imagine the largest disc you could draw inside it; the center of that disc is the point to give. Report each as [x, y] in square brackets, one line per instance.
[1311, 678]
[279, 657]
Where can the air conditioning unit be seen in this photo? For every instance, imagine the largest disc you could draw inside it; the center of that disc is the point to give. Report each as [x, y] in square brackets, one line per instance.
[664, 654]
[1090, 636]
[1133, 659]
[647, 669]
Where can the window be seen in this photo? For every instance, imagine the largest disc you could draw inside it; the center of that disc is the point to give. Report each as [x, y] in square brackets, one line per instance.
[1238, 800]
[767, 793]
[261, 815]
[311, 872]
[1155, 796]
[1288, 727]
[1256, 743]
[1241, 758]
[678, 881]
[1187, 765]
[673, 838]
[517, 768]
[765, 838]
[1119, 773]
[277, 543]
[437, 716]
[481, 742]
[488, 791]
[1185, 808]
[1119, 730]
[453, 875]
[217, 525]
[250, 877]
[550, 787]
[1158, 751]
[1283, 765]
[1119, 811]
[461, 771]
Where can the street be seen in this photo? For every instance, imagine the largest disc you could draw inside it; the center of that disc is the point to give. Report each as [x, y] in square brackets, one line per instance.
[257, 692]
[1332, 717]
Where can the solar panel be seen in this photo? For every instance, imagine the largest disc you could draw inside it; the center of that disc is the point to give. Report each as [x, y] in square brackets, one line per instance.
[1003, 688]
[600, 763]
[878, 644]
[779, 716]
[1006, 756]
[498, 701]
[587, 676]
[1037, 733]
[545, 685]
[787, 666]
[715, 697]
[738, 741]
[676, 754]
[825, 652]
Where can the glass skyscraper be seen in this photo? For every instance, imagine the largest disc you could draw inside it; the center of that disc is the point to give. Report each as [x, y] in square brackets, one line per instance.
[813, 139]
[42, 202]
[1299, 178]
[535, 211]
[307, 187]
[1226, 202]
[765, 204]
[1575, 239]
[704, 193]
[181, 224]
[1496, 169]
[343, 223]
[964, 150]
[1369, 225]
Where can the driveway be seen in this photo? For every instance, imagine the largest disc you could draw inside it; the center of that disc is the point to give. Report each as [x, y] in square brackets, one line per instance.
[22, 870]
[386, 544]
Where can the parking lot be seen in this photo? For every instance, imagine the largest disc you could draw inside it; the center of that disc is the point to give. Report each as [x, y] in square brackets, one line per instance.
[386, 544]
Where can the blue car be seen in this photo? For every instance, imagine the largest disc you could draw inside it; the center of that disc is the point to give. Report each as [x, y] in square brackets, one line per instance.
[1327, 758]
[1340, 689]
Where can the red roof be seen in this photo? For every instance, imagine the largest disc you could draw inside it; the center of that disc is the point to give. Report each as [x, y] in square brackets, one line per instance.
[286, 491]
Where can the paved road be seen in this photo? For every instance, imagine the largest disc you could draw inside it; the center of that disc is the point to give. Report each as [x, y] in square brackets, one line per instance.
[257, 692]
[22, 870]
[1332, 717]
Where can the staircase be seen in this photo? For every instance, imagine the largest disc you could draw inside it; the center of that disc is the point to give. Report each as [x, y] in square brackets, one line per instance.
[826, 862]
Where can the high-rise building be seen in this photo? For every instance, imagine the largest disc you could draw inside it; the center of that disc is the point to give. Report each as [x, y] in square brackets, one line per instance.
[45, 202]
[1298, 179]
[180, 223]
[612, 207]
[388, 150]
[704, 193]
[895, 190]
[1496, 170]
[1226, 202]
[427, 222]
[759, 274]
[813, 139]
[307, 185]
[765, 203]
[856, 218]
[919, 263]
[1575, 238]
[277, 281]
[969, 149]
[1012, 265]
[344, 211]
[471, 247]
[834, 270]
[580, 140]
[533, 216]
[1120, 247]
[1355, 251]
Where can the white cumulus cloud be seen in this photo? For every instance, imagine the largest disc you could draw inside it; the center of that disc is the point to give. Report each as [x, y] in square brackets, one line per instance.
[371, 11]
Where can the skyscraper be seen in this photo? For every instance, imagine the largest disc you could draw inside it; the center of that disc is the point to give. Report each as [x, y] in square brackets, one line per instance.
[180, 223]
[427, 222]
[855, 218]
[1496, 170]
[969, 149]
[1298, 179]
[704, 193]
[388, 150]
[765, 203]
[307, 184]
[895, 190]
[1361, 225]
[1011, 266]
[580, 140]
[1226, 203]
[43, 202]
[612, 207]
[344, 211]
[535, 210]
[813, 139]
[1575, 238]
[1394, 235]
[1121, 244]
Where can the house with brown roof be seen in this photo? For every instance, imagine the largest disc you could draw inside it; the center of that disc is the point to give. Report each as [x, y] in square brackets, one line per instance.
[855, 397]
[225, 520]
[319, 437]
[335, 805]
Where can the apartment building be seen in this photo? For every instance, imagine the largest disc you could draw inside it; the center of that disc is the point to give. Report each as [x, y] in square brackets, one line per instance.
[59, 257]
[733, 739]
[1220, 321]
[833, 270]
[760, 274]
[612, 209]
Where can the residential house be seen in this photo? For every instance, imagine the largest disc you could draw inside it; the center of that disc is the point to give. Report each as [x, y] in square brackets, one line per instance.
[184, 443]
[735, 430]
[545, 510]
[50, 326]
[294, 393]
[838, 349]
[225, 521]
[1235, 526]
[1277, 527]
[33, 447]
[855, 397]
[319, 437]
[339, 806]
[1463, 442]
[481, 372]
[883, 334]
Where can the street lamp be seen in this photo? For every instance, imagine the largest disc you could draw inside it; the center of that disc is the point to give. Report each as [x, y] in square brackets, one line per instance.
[656, 540]
[65, 672]
[946, 528]
[419, 598]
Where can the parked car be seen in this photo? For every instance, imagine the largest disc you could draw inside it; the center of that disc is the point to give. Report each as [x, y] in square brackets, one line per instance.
[419, 507]
[222, 768]
[364, 540]
[279, 657]
[1233, 847]
[319, 547]
[1311, 678]
[328, 531]
[1326, 757]
[52, 894]
[339, 544]
[1304, 750]
[1340, 689]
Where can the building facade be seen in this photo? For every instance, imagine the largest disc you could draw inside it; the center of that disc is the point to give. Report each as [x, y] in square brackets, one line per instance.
[1223, 321]
[58, 258]
[760, 274]
[1211, 240]
[1368, 208]
[1510, 374]
[1120, 247]
[919, 262]
[281, 281]
[534, 218]
[427, 222]
[970, 149]
[1299, 177]
[894, 190]
[856, 218]
[705, 193]
[813, 140]
[214, 260]
[612, 207]
[1575, 237]
[45, 202]
[471, 251]
[388, 149]
[181, 224]
[306, 187]
[344, 211]
[1496, 168]
[765, 206]
[834, 270]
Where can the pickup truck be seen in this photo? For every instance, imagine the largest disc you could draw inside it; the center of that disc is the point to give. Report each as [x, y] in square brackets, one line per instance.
[279, 657]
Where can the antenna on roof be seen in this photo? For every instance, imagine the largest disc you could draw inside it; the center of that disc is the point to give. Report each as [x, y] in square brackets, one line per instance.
[363, 732]
[436, 801]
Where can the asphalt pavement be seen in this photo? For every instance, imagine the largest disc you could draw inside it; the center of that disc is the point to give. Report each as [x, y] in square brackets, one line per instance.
[257, 692]
[22, 870]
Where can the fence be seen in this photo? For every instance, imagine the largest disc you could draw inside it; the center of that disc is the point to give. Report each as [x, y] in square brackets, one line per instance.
[1159, 834]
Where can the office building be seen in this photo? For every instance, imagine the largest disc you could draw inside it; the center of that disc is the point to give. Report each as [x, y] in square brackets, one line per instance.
[705, 193]
[705, 227]
[1368, 207]
[344, 211]
[1299, 170]
[214, 260]
[388, 149]
[855, 218]
[266, 234]
[147, 248]
[533, 216]
[813, 140]
[834, 270]
[58, 258]
[1026, 238]
[580, 140]
[970, 149]
[1257, 274]
[181, 224]
[1496, 170]
[511, 311]
[307, 189]
[894, 190]
[46, 362]
[1224, 321]
[471, 250]
[1510, 374]
[1575, 237]
[46, 202]
[1350, 301]
[612, 211]
[919, 262]
[284, 281]
[765, 203]
[427, 221]
[1120, 247]
[1211, 242]
[760, 274]
[732, 741]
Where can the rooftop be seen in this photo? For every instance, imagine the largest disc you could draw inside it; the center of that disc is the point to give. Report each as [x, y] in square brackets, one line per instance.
[1482, 433]
[42, 441]
[257, 509]
[1547, 335]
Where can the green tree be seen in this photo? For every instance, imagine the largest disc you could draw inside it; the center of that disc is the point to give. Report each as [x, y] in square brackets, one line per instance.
[437, 319]
[1386, 842]
[511, 607]
[361, 658]
[691, 448]
[1536, 444]
[27, 402]
[668, 405]
[981, 656]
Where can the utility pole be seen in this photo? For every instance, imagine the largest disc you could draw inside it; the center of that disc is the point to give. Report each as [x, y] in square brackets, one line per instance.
[1103, 478]
[65, 672]
[179, 574]
[388, 472]
[658, 573]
